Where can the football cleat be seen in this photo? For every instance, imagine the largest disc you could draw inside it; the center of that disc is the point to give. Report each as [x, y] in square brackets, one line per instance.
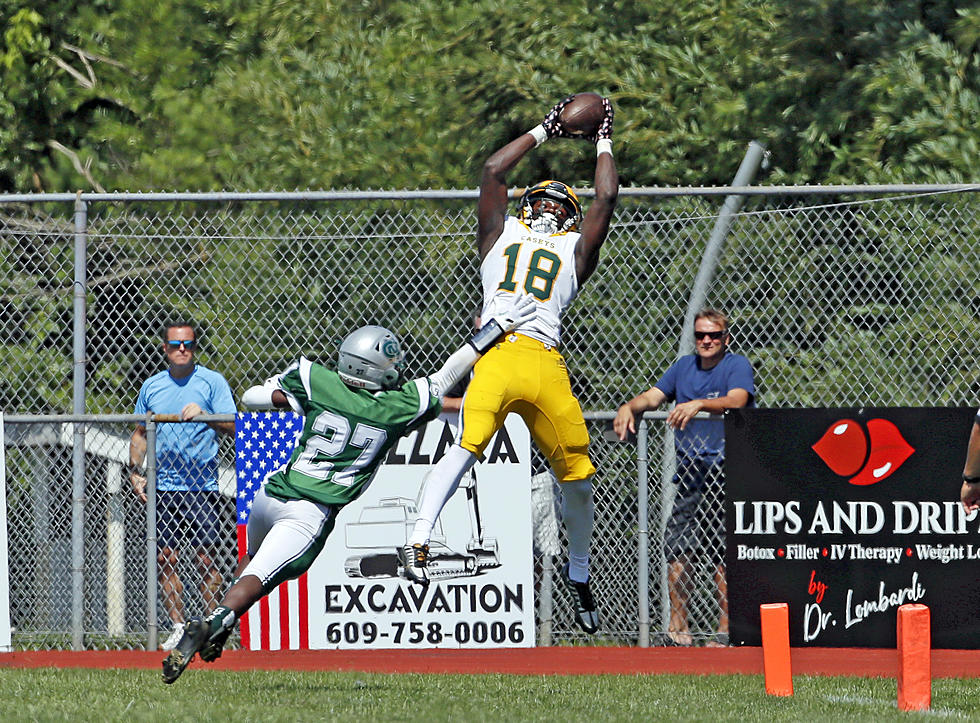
[215, 646]
[195, 636]
[586, 614]
[414, 559]
[176, 634]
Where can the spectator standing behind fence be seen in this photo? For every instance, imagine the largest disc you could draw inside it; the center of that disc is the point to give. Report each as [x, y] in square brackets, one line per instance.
[189, 505]
[711, 380]
[970, 490]
[547, 250]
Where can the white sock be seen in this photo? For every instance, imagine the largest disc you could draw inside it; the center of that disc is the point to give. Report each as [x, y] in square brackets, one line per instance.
[578, 514]
[439, 485]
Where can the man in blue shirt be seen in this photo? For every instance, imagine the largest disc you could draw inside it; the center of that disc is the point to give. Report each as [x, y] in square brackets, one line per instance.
[188, 501]
[712, 380]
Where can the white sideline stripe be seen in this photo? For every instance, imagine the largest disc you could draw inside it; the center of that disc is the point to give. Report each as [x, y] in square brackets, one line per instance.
[876, 703]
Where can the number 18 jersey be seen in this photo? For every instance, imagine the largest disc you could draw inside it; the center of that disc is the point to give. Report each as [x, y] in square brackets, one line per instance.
[540, 264]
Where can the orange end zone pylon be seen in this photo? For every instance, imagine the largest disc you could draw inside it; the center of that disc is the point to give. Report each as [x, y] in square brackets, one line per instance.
[914, 658]
[775, 648]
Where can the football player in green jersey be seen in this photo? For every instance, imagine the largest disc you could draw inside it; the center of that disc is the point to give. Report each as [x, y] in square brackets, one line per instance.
[353, 416]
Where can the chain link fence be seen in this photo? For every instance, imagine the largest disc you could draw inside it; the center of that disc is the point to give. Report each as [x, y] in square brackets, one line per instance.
[839, 297]
[91, 551]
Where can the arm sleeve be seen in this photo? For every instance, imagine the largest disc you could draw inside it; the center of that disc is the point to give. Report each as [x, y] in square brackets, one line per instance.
[259, 397]
[455, 368]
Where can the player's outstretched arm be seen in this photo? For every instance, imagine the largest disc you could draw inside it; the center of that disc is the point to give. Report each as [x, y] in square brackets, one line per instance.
[492, 206]
[266, 396]
[522, 310]
[595, 225]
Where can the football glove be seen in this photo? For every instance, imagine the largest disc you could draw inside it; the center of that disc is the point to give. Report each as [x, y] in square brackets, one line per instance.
[521, 310]
[552, 123]
[605, 130]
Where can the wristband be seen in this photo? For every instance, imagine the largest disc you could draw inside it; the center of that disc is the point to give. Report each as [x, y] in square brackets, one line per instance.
[971, 480]
[603, 145]
[487, 336]
[540, 135]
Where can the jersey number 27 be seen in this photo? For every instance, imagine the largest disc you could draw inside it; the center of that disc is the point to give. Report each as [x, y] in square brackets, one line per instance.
[326, 449]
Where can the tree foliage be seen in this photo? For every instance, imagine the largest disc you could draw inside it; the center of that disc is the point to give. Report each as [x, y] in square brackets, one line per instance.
[261, 94]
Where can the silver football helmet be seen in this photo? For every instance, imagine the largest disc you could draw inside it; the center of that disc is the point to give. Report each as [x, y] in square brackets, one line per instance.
[371, 358]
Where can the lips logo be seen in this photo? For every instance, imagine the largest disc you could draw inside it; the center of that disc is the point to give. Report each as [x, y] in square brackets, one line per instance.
[844, 447]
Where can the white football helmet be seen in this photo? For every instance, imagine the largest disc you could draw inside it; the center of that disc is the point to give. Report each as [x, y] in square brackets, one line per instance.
[371, 358]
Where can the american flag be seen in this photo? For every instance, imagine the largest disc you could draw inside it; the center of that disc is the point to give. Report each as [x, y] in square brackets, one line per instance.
[264, 442]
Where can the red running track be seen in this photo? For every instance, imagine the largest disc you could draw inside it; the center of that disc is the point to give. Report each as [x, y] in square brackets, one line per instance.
[866, 662]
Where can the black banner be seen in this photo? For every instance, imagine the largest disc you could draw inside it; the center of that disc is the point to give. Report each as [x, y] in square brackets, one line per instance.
[846, 514]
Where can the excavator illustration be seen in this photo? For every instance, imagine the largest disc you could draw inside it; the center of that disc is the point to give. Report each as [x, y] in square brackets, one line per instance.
[383, 528]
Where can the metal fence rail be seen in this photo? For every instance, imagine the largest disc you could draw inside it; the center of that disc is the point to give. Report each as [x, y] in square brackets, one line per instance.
[89, 580]
[840, 296]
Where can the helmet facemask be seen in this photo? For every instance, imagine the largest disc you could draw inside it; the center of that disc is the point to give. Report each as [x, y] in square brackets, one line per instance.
[542, 220]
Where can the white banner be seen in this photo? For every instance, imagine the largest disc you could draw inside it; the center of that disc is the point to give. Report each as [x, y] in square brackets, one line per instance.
[353, 596]
[4, 573]
[482, 591]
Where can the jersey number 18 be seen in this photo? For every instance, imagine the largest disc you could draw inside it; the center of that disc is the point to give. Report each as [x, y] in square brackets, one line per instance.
[542, 270]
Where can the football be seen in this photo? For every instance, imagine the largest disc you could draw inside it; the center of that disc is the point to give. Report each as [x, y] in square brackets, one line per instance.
[582, 115]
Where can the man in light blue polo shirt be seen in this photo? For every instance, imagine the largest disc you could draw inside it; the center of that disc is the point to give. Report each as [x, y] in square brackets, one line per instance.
[188, 501]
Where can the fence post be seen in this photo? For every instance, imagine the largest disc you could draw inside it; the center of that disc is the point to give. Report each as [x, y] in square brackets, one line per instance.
[115, 550]
[546, 600]
[151, 533]
[643, 534]
[78, 449]
[712, 252]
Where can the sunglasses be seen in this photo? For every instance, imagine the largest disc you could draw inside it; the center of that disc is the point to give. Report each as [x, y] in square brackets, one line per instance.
[188, 344]
[713, 335]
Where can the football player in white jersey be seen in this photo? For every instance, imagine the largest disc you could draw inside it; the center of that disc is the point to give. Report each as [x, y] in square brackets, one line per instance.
[354, 415]
[548, 250]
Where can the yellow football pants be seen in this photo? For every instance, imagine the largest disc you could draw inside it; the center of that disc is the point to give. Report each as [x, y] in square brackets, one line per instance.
[522, 375]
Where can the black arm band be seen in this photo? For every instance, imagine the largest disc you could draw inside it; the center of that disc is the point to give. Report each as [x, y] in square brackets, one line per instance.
[971, 480]
[487, 336]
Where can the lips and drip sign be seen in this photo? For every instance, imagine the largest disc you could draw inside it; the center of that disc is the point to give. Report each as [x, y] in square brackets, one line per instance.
[845, 515]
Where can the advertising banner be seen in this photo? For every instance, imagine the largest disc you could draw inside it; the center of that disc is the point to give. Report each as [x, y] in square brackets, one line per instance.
[354, 595]
[846, 514]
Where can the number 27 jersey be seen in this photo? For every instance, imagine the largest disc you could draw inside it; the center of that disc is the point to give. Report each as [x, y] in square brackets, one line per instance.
[539, 264]
[346, 434]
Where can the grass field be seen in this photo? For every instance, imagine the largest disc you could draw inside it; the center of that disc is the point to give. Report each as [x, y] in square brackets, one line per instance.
[48, 694]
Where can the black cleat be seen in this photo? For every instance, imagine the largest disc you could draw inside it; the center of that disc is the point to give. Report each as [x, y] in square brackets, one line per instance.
[413, 559]
[215, 646]
[195, 636]
[585, 610]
